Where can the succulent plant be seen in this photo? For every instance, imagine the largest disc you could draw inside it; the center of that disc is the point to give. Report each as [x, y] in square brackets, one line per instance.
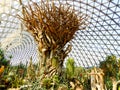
[70, 68]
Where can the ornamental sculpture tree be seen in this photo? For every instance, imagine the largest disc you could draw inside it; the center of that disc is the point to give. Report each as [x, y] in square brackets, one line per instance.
[52, 27]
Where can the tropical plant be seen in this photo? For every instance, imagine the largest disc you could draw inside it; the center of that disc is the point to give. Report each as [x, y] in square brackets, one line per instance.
[52, 27]
[3, 61]
[4, 64]
[110, 66]
[70, 68]
[81, 74]
[108, 83]
[13, 76]
[111, 69]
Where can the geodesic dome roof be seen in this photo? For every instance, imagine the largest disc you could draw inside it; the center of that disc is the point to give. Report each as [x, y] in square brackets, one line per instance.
[89, 47]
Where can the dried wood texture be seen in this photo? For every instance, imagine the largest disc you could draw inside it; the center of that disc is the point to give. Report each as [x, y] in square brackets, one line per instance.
[97, 82]
[57, 25]
[52, 26]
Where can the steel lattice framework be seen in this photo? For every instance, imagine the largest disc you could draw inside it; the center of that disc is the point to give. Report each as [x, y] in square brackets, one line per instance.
[89, 47]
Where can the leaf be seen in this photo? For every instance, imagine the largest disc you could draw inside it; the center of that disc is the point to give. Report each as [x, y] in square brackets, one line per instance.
[70, 68]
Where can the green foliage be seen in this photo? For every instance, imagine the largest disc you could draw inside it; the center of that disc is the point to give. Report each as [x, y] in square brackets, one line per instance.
[79, 71]
[3, 60]
[51, 82]
[110, 66]
[46, 84]
[70, 68]
[108, 83]
[13, 76]
[5, 64]
[81, 75]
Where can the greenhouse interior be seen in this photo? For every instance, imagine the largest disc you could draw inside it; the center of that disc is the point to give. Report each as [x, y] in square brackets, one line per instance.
[59, 44]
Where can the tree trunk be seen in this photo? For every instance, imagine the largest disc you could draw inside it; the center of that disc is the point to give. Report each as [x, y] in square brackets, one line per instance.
[52, 59]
